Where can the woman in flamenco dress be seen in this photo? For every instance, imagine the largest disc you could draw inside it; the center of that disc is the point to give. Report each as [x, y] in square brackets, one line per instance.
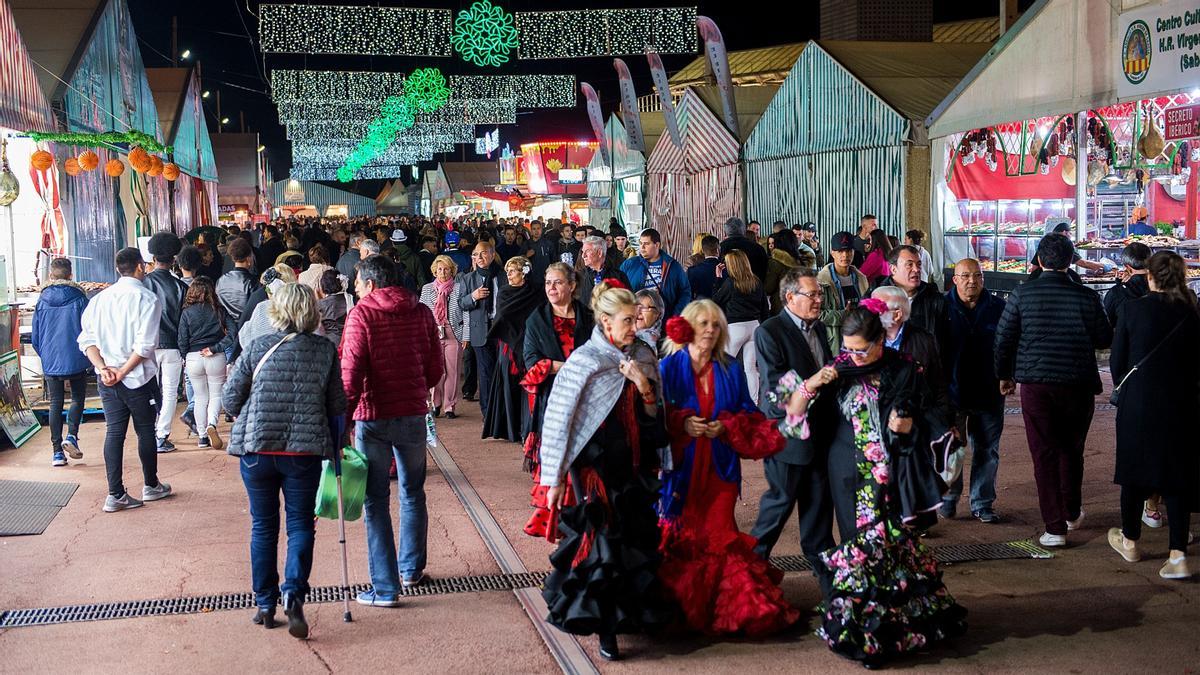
[710, 567]
[551, 333]
[603, 425]
[887, 598]
[507, 407]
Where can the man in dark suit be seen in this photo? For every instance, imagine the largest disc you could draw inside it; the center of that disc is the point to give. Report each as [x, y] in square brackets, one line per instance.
[703, 275]
[477, 293]
[795, 339]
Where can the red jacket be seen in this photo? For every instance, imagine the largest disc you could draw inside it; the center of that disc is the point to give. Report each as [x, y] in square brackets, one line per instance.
[390, 356]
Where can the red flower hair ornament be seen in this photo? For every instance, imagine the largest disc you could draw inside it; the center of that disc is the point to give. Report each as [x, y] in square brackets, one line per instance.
[614, 282]
[679, 330]
[874, 305]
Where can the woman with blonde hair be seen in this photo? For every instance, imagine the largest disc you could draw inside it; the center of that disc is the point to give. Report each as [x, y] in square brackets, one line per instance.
[604, 426]
[723, 586]
[286, 393]
[441, 297]
[744, 301]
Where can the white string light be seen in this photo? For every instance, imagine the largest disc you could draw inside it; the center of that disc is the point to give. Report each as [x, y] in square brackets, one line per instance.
[529, 91]
[334, 86]
[354, 130]
[606, 32]
[368, 172]
[326, 29]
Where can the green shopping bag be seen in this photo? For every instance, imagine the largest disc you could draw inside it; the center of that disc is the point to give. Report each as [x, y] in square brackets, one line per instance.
[354, 486]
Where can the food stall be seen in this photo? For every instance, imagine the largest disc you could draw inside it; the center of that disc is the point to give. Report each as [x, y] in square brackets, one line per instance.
[1098, 137]
[554, 172]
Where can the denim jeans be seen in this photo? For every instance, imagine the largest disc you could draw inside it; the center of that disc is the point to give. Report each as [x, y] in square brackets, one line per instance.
[380, 440]
[120, 404]
[56, 390]
[297, 477]
[982, 431]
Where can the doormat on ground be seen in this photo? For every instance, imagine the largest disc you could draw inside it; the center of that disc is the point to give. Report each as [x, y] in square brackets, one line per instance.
[27, 507]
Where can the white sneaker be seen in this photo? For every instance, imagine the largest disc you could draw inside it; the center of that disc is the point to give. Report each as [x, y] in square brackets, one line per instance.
[1051, 540]
[1175, 568]
[1152, 518]
[1077, 523]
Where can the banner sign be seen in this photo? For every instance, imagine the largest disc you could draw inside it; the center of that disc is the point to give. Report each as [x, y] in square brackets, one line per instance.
[663, 85]
[1158, 49]
[633, 118]
[595, 117]
[718, 60]
[1182, 122]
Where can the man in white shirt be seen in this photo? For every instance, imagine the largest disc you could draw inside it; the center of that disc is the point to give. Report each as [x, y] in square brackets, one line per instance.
[119, 336]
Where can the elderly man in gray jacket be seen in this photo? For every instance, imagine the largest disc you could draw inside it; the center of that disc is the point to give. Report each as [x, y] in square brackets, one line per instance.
[477, 291]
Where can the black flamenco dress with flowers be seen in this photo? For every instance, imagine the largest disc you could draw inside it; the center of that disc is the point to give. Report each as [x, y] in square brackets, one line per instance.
[887, 594]
[605, 570]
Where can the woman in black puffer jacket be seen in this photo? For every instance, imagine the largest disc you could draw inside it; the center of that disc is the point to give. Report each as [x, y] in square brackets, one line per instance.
[205, 332]
[289, 417]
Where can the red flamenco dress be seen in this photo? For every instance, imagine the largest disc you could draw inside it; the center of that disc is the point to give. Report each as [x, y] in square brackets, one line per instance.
[548, 338]
[709, 566]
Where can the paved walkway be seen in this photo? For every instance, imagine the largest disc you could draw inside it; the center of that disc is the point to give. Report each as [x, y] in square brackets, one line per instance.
[1083, 611]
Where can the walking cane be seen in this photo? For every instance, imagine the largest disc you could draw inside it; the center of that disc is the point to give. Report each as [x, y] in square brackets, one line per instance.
[337, 472]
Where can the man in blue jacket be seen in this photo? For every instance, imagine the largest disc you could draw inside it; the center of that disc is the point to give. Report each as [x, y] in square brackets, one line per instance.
[657, 270]
[968, 361]
[56, 327]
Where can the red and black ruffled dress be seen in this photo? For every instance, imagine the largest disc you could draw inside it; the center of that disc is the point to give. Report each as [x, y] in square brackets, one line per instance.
[709, 566]
[549, 338]
[604, 578]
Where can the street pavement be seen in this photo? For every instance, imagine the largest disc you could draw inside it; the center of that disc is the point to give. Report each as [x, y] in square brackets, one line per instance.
[1085, 610]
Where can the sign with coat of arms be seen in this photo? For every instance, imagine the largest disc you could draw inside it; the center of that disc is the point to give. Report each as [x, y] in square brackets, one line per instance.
[1158, 49]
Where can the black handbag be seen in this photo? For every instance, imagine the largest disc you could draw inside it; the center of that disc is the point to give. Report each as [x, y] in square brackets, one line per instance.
[1115, 398]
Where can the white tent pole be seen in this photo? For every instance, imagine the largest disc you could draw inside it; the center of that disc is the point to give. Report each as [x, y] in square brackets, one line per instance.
[1081, 176]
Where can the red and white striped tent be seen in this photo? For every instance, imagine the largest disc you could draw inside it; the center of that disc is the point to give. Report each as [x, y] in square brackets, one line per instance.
[23, 105]
[697, 187]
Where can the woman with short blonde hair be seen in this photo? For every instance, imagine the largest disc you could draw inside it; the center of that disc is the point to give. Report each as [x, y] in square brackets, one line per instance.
[441, 297]
[286, 394]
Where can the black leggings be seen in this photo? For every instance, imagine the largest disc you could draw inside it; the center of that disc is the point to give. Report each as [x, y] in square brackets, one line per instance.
[1133, 502]
[56, 391]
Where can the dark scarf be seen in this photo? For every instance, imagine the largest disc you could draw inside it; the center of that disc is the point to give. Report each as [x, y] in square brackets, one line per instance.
[514, 304]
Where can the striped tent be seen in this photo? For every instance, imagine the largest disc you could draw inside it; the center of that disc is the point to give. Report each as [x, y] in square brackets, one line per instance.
[845, 137]
[23, 105]
[697, 187]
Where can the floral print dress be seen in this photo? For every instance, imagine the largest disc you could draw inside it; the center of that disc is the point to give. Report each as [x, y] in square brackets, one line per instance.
[887, 594]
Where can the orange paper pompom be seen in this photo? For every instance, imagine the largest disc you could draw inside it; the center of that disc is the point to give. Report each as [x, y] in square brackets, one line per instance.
[139, 160]
[156, 166]
[89, 160]
[71, 166]
[114, 168]
[41, 160]
[170, 171]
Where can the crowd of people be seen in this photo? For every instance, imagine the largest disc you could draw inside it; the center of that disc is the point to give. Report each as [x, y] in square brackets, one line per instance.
[634, 383]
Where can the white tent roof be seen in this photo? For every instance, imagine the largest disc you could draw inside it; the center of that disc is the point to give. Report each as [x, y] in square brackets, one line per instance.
[1056, 59]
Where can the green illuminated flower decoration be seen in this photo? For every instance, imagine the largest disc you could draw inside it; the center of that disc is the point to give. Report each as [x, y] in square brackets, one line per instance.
[484, 34]
[425, 90]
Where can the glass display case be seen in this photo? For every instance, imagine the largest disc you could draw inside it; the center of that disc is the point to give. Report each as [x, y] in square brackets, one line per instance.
[1003, 234]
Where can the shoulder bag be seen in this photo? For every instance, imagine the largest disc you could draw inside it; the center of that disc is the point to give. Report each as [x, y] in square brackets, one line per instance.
[270, 351]
[1115, 399]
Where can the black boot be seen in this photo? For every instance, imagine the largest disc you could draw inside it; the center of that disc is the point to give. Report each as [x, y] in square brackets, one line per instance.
[608, 647]
[264, 617]
[293, 607]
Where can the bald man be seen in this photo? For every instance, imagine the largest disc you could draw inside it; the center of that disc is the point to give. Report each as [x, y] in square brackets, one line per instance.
[973, 313]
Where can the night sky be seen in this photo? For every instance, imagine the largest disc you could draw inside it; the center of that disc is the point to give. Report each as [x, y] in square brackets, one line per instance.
[223, 36]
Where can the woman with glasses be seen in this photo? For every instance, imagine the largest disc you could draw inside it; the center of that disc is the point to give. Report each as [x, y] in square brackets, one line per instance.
[887, 595]
[650, 312]
[710, 567]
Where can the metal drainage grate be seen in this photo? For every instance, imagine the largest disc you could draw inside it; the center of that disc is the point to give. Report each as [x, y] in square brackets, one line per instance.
[1100, 407]
[44, 616]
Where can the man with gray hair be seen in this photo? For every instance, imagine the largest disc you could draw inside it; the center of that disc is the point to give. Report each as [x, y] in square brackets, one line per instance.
[352, 256]
[736, 240]
[593, 267]
[795, 339]
[906, 337]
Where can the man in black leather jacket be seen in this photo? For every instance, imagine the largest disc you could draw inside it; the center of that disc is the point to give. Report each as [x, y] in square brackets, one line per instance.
[237, 284]
[170, 290]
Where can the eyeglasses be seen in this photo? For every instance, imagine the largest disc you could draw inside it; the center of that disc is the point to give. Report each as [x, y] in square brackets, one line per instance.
[861, 353]
[811, 295]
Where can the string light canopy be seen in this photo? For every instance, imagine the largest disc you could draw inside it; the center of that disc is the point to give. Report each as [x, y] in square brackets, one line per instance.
[310, 87]
[484, 34]
[529, 91]
[424, 91]
[350, 133]
[455, 112]
[370, 172]
[327, 29]
[584, 33]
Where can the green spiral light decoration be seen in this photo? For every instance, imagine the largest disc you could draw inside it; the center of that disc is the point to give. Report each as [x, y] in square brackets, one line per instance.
[425, 91]
[484, 34]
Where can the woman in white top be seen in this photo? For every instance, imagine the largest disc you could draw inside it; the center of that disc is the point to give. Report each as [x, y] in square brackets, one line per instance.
[318, 259]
